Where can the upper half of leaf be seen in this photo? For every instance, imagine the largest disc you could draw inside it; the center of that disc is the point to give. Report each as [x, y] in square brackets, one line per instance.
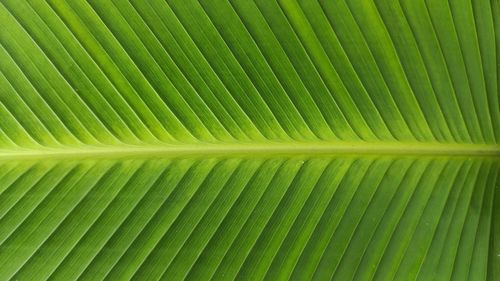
[80, 73]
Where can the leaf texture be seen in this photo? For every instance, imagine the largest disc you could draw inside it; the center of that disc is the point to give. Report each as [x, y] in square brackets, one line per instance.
[279, 218]
[305, 85]
[87, 74]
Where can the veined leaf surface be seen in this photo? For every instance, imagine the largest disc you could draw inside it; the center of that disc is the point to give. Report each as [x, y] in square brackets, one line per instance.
[163, 101]
[247, 218]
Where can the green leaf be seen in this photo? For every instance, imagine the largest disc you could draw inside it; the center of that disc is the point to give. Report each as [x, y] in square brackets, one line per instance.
[249, 139]
[251, 218]
[119, 76]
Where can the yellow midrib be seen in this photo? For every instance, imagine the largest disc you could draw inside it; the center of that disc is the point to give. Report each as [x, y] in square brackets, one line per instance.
[262, 149]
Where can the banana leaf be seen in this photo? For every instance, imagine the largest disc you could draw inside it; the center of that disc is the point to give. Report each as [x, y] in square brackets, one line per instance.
[249, 140]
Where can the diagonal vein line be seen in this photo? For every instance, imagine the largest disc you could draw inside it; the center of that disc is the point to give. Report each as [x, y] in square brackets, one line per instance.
[61, 75]
[275, 78]
[95, 63]
[20, 22]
